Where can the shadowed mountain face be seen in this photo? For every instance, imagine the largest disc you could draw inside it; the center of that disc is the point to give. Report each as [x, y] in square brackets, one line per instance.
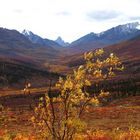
[16, 74]
[112, 36]
[14, 45]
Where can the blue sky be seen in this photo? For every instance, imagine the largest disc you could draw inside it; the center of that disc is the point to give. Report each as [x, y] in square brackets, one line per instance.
[69, 19]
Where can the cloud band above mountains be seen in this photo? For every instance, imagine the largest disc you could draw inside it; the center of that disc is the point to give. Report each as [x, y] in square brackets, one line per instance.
[103, 15]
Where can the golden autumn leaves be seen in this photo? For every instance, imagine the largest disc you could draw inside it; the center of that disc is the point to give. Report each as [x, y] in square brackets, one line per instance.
[60, 118]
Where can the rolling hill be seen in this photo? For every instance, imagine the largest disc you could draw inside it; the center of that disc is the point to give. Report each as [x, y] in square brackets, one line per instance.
[20, 59]
[15, 74]
[14, 45]
[128, 51]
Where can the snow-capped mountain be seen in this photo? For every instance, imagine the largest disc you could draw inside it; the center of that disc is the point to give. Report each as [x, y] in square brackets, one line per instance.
[128, 28]
[92, 40]
[39, 40]
[14, 45]
[111, 36]
[61, 42]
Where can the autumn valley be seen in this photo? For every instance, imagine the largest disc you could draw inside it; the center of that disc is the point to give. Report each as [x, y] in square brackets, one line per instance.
[85, 90]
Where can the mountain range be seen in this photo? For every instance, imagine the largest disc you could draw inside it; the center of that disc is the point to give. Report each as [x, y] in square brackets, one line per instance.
[112, 36]
[29, 45]
[90, 41]
[32, 51]
[39, 40]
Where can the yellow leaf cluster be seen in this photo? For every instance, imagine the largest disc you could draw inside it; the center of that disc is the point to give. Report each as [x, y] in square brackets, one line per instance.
[103, 94]
[61, 116]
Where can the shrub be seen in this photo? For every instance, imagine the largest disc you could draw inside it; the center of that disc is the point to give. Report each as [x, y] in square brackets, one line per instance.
[61, 118]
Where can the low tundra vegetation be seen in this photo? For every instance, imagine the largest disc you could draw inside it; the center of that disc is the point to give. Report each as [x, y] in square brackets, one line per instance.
[88, 135]
[68, 115]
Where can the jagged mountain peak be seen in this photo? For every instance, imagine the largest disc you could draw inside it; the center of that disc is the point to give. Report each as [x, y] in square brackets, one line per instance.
[132, 25]
[59, 38]
[126, 28]
[26, 32]
[34, 38]
[61, 42]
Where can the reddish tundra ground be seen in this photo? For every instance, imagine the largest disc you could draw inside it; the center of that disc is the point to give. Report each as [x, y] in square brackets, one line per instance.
[119, 116]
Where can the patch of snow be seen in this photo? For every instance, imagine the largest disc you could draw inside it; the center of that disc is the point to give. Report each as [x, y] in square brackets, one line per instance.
[26, 32]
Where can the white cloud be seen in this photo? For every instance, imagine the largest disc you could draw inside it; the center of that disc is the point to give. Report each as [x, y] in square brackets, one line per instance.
[67, 18]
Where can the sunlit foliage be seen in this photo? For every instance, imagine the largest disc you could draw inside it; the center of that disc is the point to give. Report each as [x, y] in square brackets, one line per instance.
[60, 118]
